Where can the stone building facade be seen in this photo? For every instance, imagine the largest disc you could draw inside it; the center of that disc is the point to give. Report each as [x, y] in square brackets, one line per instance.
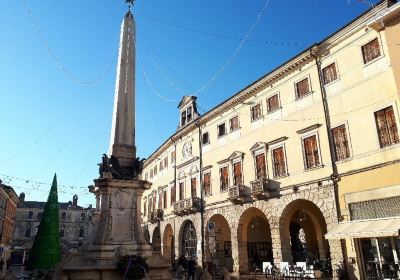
[8, 206]
[262, 177]
[75, 226]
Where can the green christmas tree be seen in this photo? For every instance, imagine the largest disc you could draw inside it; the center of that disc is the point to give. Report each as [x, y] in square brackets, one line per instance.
[46, 252]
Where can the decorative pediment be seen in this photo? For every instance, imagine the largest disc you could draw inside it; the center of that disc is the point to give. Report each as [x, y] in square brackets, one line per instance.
[259, 146]
[309, 128]
[187, 100]
[277, 140]
[236, 155]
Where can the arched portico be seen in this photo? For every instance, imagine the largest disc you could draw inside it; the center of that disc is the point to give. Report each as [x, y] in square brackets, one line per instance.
[168, 243]
[218, 242]
[302, 229]
[254, 240]
[156, 241]
[188, 240]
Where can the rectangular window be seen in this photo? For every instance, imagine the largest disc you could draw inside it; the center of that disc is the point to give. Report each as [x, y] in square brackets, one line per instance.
[260, 166]
[39, 215]
[151, 173]
[81, 232]
[386, 126]
[173, 154]
[146, 176]
[224, 179]
[28, 232]
[234, 123]
[329, 73]
[237, 173]
[183, 118]
[371, 50]
[63, 215]
[256, 112]
[166, 162]
[311, 152]
[221, 130]
[62, 233]
[342, 150]
[155, 170]
[302, 88]
[189, 114]
[165, 199]
[30, 215]
[161, 165]
[205, 139]
[193, 187]
[151, 205]
[279, 162]
[181, 191]
[160, 200]
[207, 183]
[173, 194]
[145, 208]
[273, 103]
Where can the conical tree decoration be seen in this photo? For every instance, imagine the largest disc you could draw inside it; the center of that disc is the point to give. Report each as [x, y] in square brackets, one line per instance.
[46, 252]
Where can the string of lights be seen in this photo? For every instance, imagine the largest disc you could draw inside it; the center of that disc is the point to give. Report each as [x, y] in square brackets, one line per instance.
[48, 130]
[57, 61]
[234, 54]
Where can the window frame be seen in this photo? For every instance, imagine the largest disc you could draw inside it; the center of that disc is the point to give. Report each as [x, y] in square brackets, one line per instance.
[226, 165]
[172, 191]
[253, 119]
[208, 172]
[336, 70]
[225, 130]
[396, 122]
[310, 91]
[179, 189]
[305, 136]
[235, 161]
[347, 132]
[273, 148]
[269, 110]
[202, 138]
[185, 113]
[194, 178]
[230, 123]
[375, 58]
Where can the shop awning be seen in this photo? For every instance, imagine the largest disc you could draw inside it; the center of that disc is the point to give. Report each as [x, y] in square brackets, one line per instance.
[365, 229]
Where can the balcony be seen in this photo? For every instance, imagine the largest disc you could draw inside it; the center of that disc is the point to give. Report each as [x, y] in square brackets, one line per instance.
[237, 194]
[260, 189]
[156, 216]
[187, 206]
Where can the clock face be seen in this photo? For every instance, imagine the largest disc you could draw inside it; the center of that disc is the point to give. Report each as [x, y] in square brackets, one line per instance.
[187, 150]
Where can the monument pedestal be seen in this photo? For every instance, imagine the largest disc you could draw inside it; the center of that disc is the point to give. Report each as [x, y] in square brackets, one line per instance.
[118, 233]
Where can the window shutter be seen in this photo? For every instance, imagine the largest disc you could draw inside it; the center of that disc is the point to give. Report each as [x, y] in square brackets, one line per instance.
[260, 166]
[391, 121]
[193, 185]
[383, 132]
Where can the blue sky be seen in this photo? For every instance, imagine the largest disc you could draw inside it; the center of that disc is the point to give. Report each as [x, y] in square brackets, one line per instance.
[53, 121]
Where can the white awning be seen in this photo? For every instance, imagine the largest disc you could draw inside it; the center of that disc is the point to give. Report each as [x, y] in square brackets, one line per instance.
[365, 229]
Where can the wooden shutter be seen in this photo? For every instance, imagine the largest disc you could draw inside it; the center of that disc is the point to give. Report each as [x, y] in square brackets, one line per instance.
[193, 187]
[181, 191]
[207, 183]
[224, 178]
[145, 208]
[260, 166]
[302, 88]
[165, 199]
[329, 73]
[279, 162]
[160, 200]
[342, 150]
[173, 194]
[392, 127]
[234, 123]
[371, 50]
[311, 151]
[273, 103]
[237, 173]
[387, 128]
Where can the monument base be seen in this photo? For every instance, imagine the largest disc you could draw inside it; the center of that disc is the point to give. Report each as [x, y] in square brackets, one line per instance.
[118, 233]
[100, 262]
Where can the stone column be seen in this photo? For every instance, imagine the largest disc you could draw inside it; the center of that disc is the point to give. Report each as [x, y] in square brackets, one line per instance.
[336, 256]
[235, 252]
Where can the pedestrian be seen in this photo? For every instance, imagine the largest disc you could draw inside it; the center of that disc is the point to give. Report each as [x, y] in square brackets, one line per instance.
[1, 266]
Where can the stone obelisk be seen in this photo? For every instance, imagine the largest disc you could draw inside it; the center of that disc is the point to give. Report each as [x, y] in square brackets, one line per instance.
[119, 189]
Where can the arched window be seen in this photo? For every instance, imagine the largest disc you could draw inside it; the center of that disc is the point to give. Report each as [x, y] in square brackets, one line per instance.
[189, 241]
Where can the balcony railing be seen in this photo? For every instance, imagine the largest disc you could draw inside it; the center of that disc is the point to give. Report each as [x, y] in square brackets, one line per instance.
[187, 206]
[237, 193]
[261, 189]
[156, 216]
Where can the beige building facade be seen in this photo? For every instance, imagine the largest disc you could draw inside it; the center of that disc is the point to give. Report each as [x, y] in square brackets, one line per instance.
[266, 175]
